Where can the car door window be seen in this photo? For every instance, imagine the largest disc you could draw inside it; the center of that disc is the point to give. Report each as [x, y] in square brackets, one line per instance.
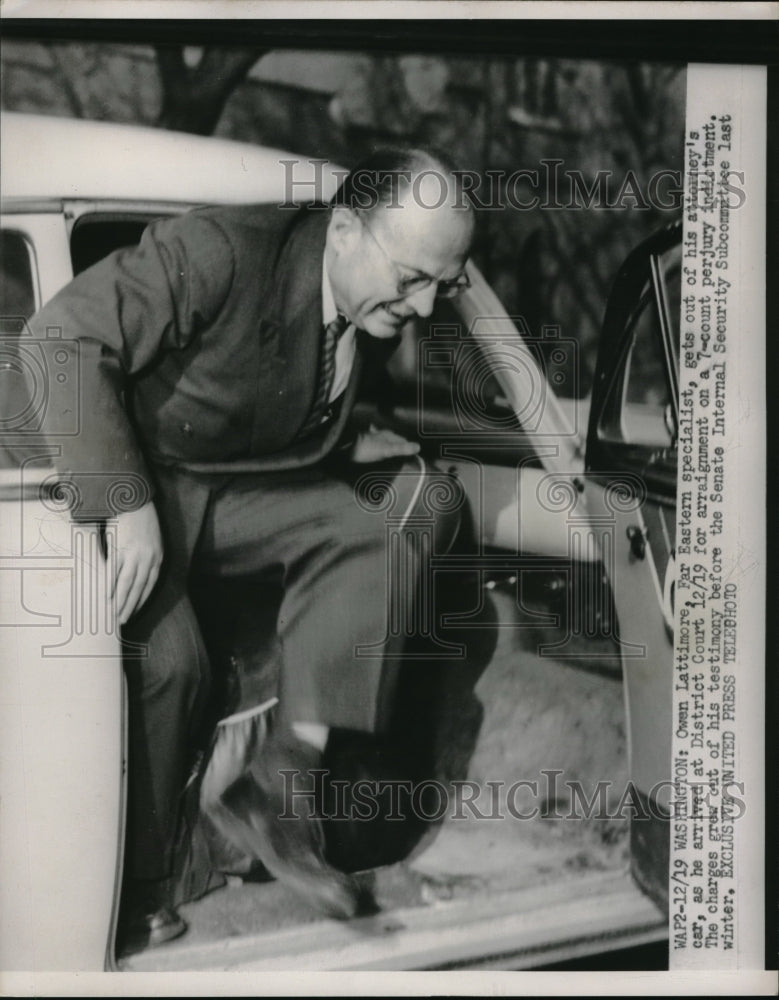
[98, 234]
[17, 284]
[647, 412]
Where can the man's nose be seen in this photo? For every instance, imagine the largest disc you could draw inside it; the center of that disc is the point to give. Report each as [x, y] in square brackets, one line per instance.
[423, 300]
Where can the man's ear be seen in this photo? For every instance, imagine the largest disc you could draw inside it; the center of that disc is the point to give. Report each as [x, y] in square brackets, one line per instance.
[344, 228]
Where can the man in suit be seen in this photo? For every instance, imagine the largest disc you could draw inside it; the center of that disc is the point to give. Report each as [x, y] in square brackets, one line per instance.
[220, 361]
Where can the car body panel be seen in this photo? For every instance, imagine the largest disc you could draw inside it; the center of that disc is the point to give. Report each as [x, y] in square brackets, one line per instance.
[43, 157]
[62, 742]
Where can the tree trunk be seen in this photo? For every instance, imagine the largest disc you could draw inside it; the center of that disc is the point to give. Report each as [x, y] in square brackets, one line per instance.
[194, 97]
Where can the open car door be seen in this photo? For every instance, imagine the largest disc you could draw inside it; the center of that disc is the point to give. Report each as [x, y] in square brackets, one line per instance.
[631, 462]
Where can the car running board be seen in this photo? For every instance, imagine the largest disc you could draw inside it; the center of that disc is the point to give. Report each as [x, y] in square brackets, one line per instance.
[507, 930]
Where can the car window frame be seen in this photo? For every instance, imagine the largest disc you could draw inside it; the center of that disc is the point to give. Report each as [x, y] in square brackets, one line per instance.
[608, 449]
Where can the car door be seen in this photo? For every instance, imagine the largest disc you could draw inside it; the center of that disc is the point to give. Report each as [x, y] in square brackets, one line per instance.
[631, 459]
[61, 683]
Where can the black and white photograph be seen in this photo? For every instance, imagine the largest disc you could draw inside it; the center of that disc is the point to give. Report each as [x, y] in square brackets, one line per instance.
[383, 497]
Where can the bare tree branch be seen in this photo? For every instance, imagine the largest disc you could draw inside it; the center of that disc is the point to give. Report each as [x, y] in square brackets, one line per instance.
[63, 77]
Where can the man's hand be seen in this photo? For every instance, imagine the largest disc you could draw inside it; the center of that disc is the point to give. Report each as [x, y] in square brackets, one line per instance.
[138, 557]
[375, 444]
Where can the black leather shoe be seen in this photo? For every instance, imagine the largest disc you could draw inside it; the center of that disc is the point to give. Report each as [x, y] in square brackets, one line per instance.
[140, 930]
[257, 813]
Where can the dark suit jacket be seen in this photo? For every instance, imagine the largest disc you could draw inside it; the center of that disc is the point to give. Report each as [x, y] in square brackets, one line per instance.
[198, 349]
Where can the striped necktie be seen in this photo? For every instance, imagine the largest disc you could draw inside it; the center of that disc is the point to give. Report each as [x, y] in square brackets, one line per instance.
[332, 334]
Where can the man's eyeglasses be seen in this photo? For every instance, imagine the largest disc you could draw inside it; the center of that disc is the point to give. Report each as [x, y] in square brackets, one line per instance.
[409, 284]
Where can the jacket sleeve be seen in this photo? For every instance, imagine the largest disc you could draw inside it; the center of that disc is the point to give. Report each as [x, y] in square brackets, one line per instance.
[109, 324]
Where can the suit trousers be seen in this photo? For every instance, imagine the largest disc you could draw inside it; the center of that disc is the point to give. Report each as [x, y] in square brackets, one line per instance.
[352, 549]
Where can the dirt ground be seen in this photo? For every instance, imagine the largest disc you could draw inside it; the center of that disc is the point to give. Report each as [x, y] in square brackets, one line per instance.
[548, 721]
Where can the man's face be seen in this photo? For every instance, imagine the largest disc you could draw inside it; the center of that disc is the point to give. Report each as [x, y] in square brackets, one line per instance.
[377, 260]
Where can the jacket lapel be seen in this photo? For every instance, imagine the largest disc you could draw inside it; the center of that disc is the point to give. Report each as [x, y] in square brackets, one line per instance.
[302, 453]
[294, 325]
[290, 336]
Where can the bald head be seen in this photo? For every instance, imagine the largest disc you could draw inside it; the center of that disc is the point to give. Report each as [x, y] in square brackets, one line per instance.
[393, 178]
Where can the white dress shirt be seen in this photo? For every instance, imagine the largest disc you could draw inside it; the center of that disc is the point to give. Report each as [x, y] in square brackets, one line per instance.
[344, 352]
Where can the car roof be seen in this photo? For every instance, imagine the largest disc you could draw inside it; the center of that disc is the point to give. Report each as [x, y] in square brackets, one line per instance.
[44, 157]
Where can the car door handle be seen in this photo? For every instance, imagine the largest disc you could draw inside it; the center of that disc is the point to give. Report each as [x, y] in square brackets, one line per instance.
[637, 539]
